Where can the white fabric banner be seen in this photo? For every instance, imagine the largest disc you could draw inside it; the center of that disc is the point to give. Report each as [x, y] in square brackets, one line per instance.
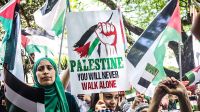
[96, 52]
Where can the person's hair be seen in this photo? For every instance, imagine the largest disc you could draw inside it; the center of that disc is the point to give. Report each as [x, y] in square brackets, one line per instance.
[94, 100]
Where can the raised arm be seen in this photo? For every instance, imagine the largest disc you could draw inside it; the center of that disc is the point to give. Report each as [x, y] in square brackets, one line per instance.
[178, 89]
[160, 92]
[65, 78]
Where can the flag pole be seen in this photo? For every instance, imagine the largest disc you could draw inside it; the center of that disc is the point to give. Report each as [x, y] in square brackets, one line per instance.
[60, 52]
[180, 64]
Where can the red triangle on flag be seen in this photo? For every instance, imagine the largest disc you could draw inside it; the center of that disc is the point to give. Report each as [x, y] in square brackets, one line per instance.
[8, 10]
[175, 21]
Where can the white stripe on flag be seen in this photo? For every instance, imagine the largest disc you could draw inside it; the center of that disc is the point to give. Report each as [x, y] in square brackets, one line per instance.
[130, 96]
[148, 76]
[150, 90]
[22, 102]
[47, 21]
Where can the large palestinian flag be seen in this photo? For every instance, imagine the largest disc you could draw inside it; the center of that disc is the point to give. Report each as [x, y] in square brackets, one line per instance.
[51, 16]
[21, 97]
[6, 17]
[12, 56]
[151, 46]
[18, 93]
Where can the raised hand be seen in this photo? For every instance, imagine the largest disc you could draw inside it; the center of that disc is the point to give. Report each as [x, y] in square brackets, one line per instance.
[138, 99]
[174, 86]
[107, 34]
[100, 105]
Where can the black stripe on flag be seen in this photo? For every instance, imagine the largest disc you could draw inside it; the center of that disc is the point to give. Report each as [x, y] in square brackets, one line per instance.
[31, 93]
[143, 82]
[147, 39]
[48, 6]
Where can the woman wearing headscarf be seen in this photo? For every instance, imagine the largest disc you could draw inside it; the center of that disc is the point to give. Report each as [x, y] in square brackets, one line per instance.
[46, 76]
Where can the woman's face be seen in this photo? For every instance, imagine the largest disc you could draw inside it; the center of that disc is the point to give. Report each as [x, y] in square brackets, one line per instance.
[111, 99]
[45, 73]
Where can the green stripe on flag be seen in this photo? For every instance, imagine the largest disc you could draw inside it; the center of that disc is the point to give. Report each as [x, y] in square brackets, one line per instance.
[191, 76]
[169, 34]
[92, 47]
[151, 69]
[7, 25]
[32, 48]
[58, 26]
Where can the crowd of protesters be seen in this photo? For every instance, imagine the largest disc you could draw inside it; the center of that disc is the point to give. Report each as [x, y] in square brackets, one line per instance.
[169, 95]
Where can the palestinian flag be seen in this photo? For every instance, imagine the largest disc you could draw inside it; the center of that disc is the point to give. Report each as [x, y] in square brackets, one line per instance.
[36, 43]
[12, 56]
[51, 16]
[193, 76]
[147, 76]
[18, 93]
[152, 44]
[130, 94]
[36, 31]
[21, 97]
[6, 17]
[29, 48]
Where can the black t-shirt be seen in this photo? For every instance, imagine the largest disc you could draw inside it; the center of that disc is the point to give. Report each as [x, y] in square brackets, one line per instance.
[73, 106]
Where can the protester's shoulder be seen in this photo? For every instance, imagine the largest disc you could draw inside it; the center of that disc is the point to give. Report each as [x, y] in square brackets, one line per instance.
[69, 95]
[73, 105]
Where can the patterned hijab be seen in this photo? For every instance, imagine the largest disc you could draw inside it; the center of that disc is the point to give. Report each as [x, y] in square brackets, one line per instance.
[55, 99]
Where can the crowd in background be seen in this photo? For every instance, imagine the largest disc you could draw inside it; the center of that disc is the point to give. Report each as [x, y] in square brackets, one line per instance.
[170, 95]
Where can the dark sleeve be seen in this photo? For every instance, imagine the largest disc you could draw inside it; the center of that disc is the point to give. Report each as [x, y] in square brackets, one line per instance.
[12, 108]
[73, 105]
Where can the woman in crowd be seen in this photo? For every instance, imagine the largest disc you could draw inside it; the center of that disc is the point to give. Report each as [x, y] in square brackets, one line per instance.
[108, 101]
[46, 76]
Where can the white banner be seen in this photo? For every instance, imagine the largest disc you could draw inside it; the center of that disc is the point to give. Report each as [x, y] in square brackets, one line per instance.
[96, 52]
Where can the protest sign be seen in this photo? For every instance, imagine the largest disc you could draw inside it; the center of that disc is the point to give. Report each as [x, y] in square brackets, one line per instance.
[96, 52]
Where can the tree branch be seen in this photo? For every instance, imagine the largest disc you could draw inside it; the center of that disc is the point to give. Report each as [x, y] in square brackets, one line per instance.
[136, 30]
[25, 17]
[2, 3]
